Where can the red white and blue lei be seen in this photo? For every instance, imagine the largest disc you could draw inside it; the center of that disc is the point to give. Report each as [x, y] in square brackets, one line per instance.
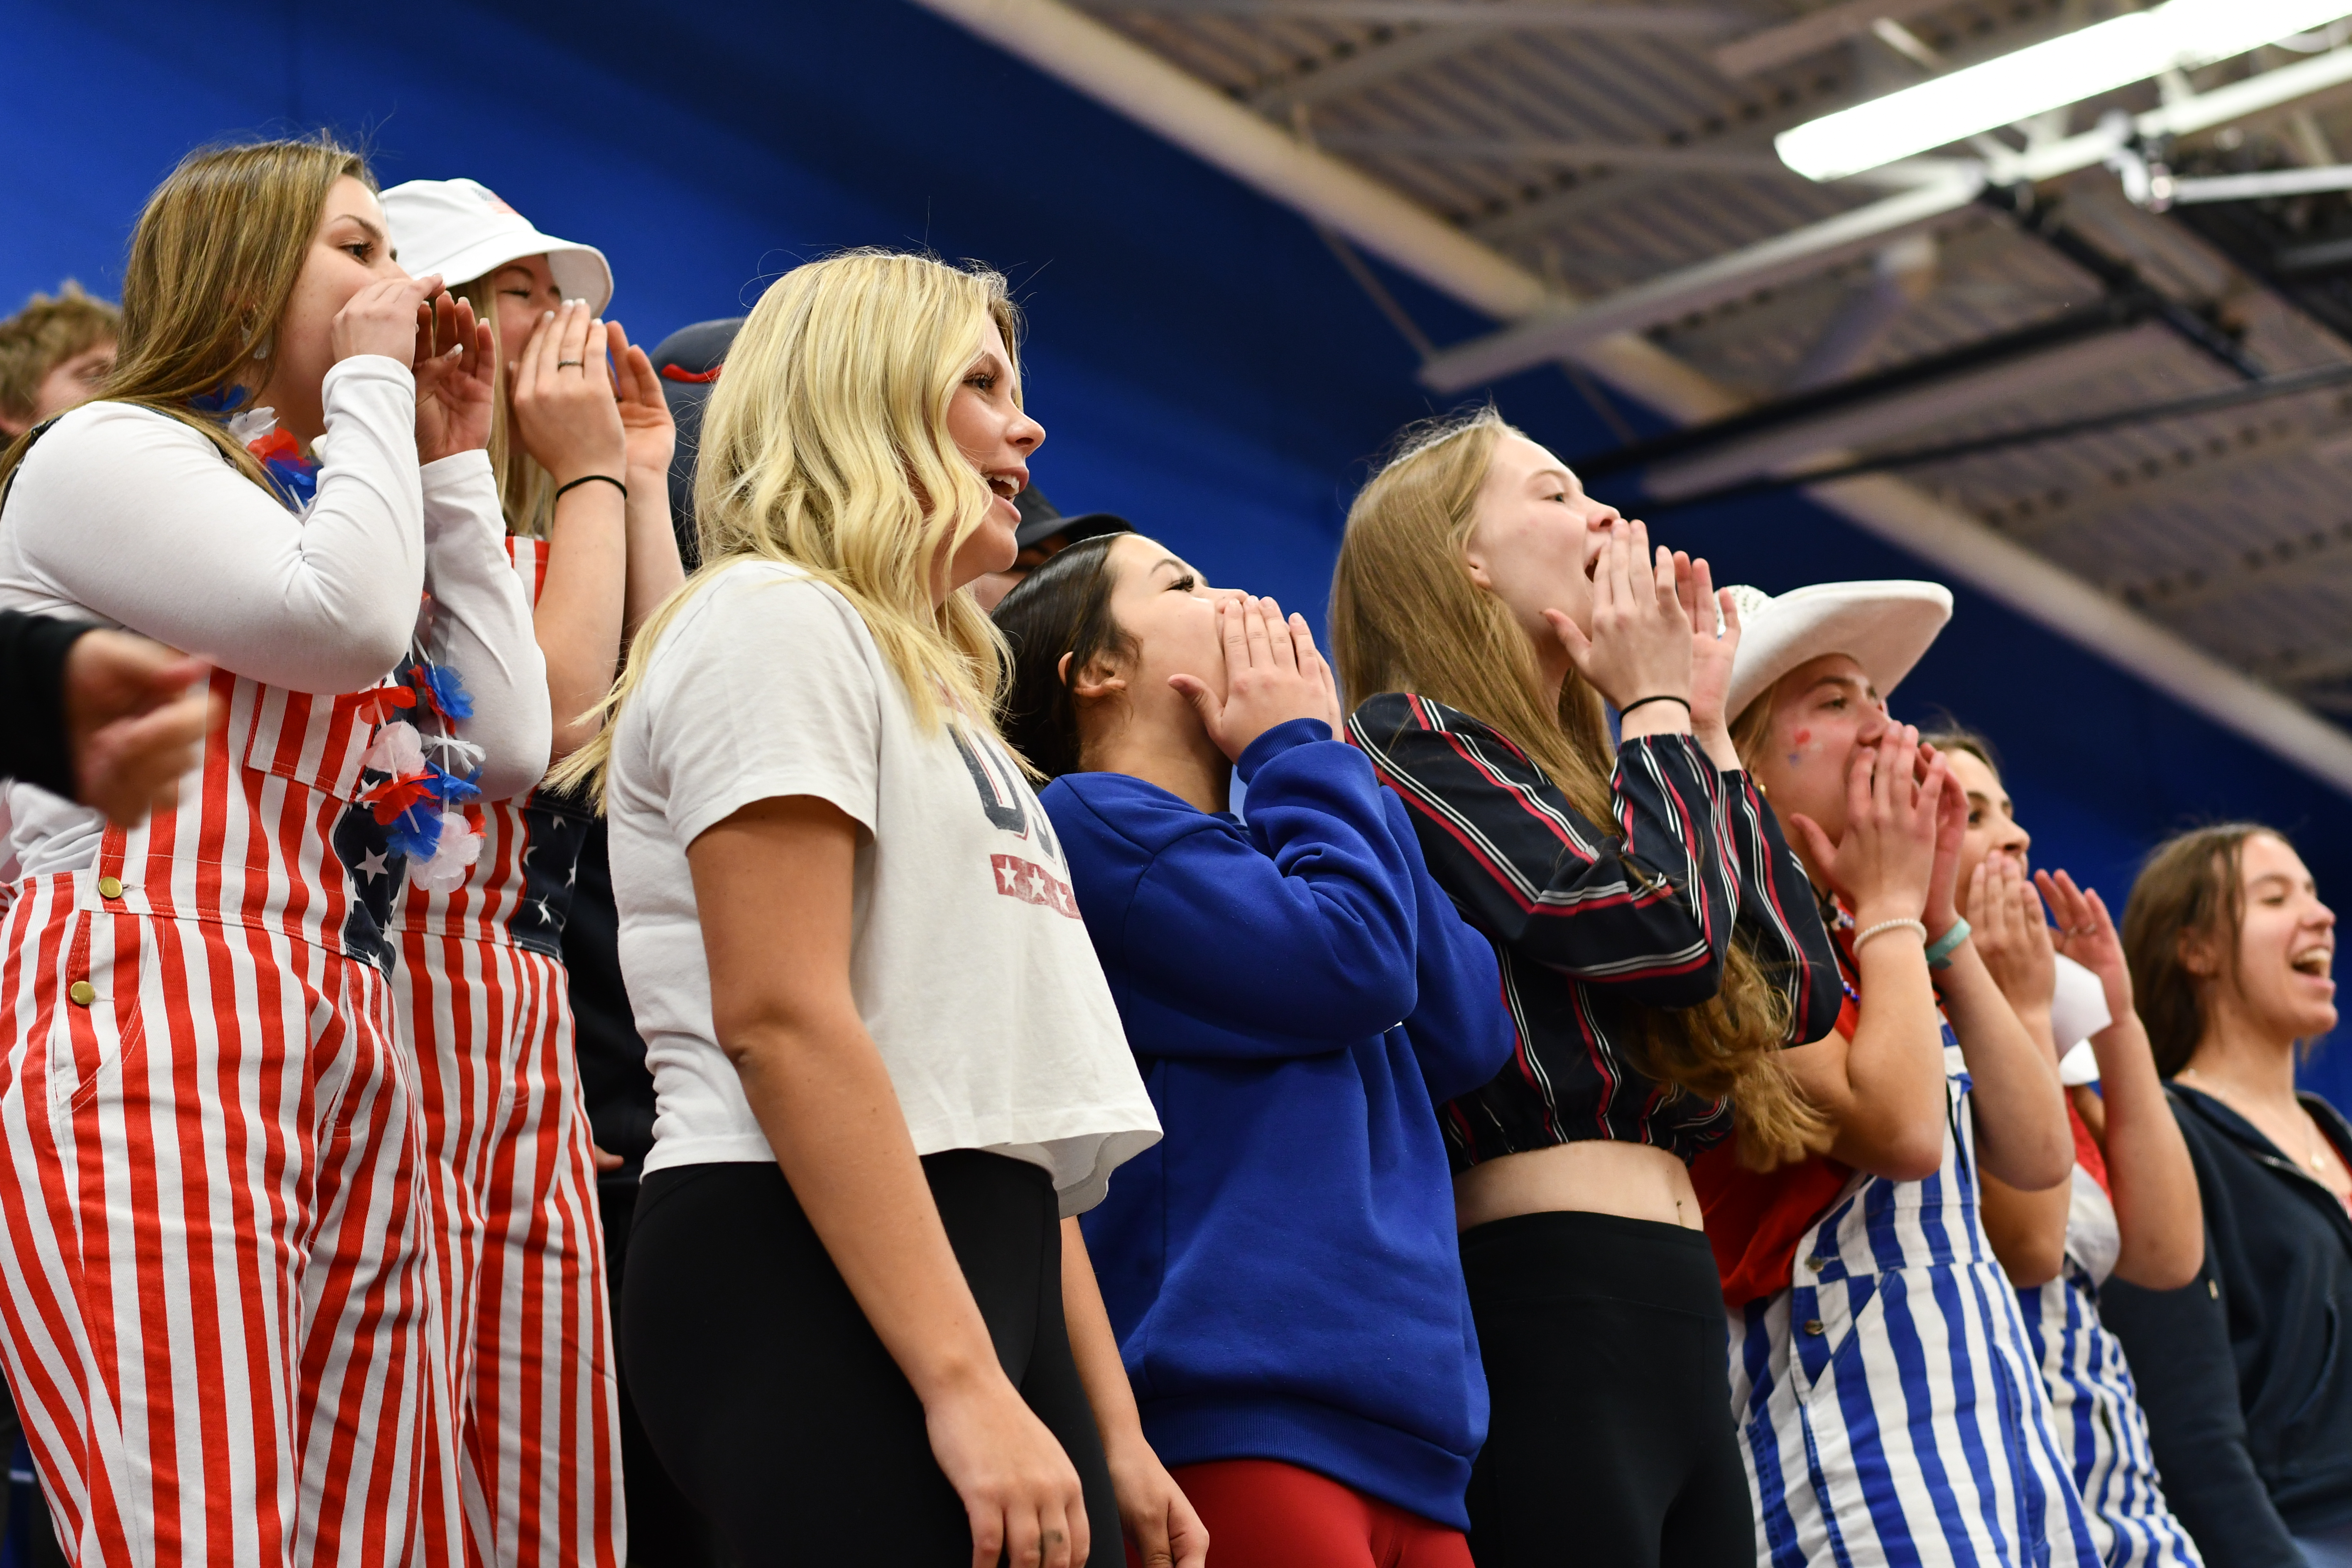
[430, 809]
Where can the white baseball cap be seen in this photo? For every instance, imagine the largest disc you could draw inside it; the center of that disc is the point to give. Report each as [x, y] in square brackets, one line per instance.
[461, 229]
[1882, 626]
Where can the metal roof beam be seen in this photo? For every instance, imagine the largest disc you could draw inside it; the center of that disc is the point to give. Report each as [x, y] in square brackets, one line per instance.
[1553, 151]
[1564, 329]
[2011, 379]
[1369, 65]
[1904, 276]
[1516, 16]
[2288, 670]
[1812, 33]
[2320, 554]
[2187, 467]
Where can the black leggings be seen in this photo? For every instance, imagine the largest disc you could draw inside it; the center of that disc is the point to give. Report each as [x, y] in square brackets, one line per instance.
[1611, 1440]
[768, 1396]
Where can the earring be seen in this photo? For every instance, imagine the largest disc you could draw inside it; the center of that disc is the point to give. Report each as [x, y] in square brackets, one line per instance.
[261, 349]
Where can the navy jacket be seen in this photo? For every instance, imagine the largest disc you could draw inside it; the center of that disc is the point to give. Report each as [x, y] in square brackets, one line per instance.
[32, 652]
[2246, 1374]
[1281, 1269]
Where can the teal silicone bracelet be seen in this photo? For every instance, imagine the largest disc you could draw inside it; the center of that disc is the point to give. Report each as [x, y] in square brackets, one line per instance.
[1940, 951]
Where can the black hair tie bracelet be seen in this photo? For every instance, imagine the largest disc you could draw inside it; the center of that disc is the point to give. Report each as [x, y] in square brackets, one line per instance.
[1641, 702]
[609, 480]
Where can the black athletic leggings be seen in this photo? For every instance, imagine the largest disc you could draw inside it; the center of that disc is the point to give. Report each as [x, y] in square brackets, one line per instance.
[1611, 1440]
[771, 1399]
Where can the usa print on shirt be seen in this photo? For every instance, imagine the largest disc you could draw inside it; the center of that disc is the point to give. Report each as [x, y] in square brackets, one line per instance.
[1011, 808]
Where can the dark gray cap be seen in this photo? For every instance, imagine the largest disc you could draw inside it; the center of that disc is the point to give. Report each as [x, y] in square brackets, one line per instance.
[1040, 521]
[687, 361]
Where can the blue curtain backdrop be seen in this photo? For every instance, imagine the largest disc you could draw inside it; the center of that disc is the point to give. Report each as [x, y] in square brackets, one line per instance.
[1202, 362]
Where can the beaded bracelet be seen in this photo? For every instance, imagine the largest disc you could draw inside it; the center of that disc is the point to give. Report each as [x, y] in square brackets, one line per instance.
[1864, 935]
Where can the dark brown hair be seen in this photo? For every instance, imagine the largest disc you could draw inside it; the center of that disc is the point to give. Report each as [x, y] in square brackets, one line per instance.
[1062, 608]
[1951, 735]
[2191, 885]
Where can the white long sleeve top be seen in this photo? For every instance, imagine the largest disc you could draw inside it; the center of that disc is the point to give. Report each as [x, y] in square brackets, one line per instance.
[123, 516]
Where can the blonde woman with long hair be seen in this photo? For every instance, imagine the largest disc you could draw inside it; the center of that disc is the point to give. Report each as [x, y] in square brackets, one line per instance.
[218, 1310]
[581, 440]
[1658, 949]
[858, 1319]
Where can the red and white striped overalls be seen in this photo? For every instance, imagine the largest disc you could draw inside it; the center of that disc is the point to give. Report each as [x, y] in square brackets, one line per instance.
[216, 1243]
[482, 999]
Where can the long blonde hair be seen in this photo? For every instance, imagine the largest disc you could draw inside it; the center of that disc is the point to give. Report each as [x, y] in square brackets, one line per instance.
[1405, 617]
[826, 445]
[213, 263]
[526, 491]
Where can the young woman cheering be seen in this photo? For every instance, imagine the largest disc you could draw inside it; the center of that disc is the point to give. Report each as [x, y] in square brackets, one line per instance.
[582, 439]
[1281, 1269]
[859, 1324]
[2128, 1210]
[1658, 949]
[2243, 1376]
[1890, 1407]
[217, 1314]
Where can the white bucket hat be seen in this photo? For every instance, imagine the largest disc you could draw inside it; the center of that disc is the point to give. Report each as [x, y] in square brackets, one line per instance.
[461, 229]
[1882, 626]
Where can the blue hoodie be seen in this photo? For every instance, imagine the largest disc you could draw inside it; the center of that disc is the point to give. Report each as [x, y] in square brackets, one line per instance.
[1281, 1269]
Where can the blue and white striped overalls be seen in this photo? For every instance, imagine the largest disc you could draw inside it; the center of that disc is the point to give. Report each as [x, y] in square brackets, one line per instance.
[1891, 1410]
[2095, 1408]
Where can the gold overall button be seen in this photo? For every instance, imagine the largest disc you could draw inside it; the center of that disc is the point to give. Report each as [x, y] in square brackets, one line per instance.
[83, 993]
[1815, 1264]
[1813, 1325]
[109, 887]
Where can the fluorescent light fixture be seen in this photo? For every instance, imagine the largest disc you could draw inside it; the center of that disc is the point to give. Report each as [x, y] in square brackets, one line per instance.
[2080, 65]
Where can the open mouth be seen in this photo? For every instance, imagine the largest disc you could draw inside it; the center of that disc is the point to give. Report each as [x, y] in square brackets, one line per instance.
[1006, 485]
[2316, 962]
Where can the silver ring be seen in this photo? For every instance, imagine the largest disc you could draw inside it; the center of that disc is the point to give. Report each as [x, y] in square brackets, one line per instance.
[568, 363]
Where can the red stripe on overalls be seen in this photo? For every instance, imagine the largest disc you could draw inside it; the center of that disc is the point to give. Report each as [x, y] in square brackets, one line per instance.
[522, 1253]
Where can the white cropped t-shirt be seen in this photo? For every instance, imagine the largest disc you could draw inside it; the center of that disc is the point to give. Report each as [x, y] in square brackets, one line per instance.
[970, 967]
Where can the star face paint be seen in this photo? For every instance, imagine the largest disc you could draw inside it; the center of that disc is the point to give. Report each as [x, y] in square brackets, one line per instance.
[1804, 739]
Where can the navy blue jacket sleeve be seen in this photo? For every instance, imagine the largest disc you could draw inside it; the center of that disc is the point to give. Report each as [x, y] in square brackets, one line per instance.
[1460, 1031]
[1780, 917]
[1299, 943]
[1636, 907]
[2179, 1345]
[33, 748]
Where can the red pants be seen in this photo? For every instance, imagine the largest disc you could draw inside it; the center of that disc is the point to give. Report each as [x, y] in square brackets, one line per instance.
[1264, 1514]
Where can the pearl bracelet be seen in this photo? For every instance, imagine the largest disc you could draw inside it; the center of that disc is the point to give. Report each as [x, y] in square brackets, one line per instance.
[1864, 935]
